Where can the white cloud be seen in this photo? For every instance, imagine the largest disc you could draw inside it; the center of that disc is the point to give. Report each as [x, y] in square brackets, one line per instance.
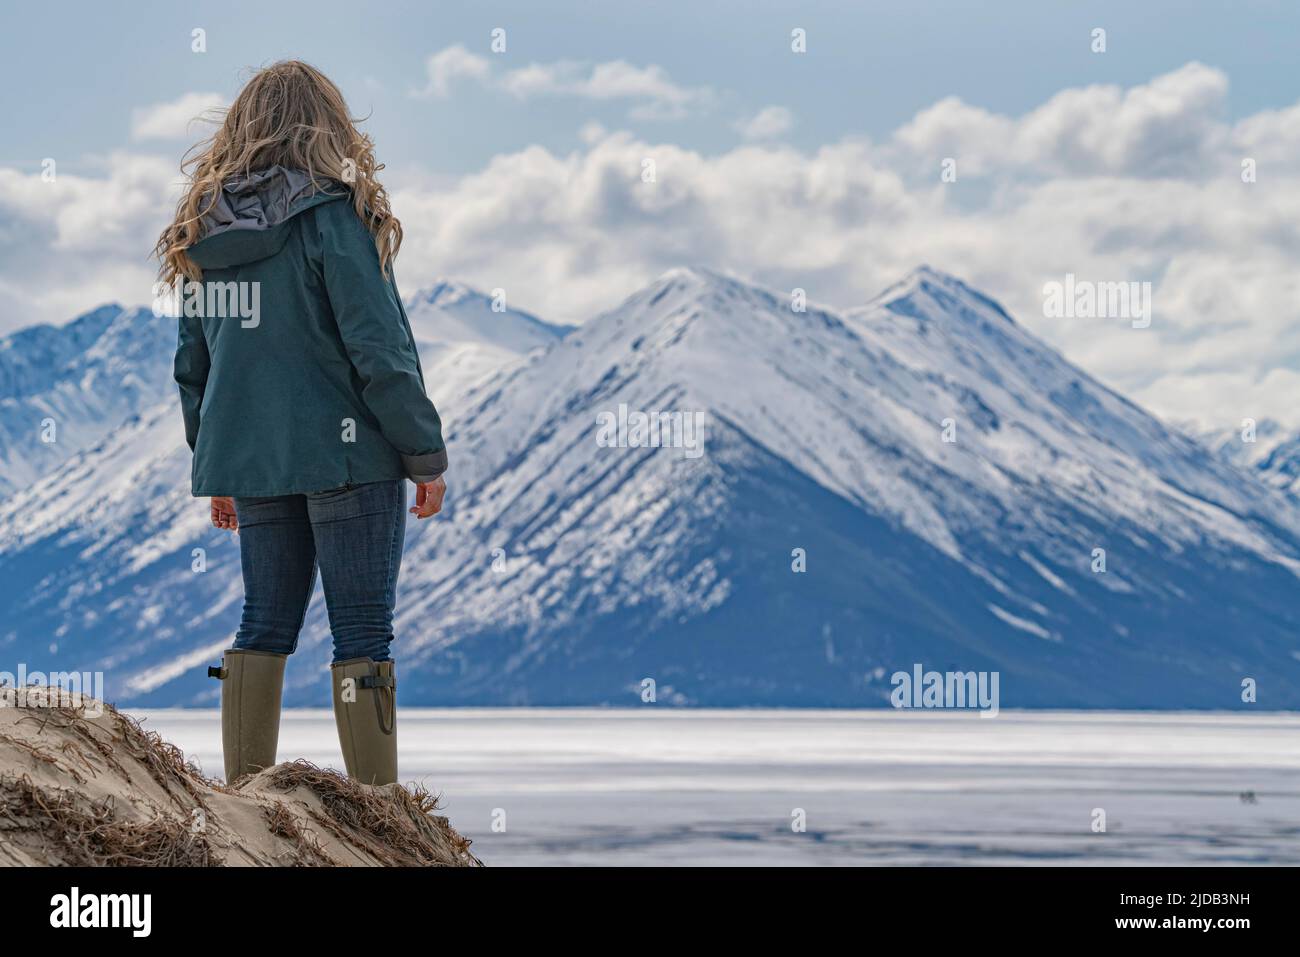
[652, 92]
[768, 123]
[656, 95]
[1269, 136]
[83, 239]
[1111, 185]
[447, 66]
[176, 119]
[592, 132]
[1170, 126]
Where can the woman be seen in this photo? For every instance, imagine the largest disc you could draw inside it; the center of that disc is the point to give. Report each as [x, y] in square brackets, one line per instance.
[303, 400]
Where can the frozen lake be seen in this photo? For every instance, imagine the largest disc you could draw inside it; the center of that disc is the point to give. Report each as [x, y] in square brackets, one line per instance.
[593, 786]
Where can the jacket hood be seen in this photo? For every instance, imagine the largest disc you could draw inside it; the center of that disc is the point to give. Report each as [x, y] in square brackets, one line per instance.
[251, 217]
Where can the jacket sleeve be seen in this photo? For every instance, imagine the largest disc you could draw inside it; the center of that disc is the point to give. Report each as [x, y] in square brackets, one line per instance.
[191, 373]
[373, 326]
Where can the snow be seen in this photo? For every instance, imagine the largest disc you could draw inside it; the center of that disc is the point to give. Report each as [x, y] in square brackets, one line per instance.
[624, 563]
[1023, 624]
[1273, 455]
[1048, 575]
[88, 377]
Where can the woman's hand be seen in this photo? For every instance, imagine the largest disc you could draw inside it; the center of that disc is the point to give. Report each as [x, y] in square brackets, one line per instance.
[223, 514]
[428, 498]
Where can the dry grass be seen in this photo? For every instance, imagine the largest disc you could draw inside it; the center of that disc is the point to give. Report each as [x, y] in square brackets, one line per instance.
[81, 787]
[396, 824]
[90, 834]
[163, 761]
[305, 849]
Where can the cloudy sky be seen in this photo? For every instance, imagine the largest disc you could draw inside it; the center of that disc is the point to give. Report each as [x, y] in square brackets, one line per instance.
[822, 170]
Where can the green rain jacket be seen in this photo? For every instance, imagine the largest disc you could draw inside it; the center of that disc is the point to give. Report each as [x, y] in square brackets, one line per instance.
[296, 364]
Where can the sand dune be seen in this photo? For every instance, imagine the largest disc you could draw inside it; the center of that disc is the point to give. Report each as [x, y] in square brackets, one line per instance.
[82, 784]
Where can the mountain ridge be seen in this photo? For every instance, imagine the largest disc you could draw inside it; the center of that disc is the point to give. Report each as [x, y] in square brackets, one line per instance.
[566, 571]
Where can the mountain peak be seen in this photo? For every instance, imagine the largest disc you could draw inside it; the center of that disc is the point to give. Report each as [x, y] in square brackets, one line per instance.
[720, 299]
[77, 333]
[697, 276]
[924, 278]
[927, 293]
[450, 312]
[820, 430]
[926, 272]
[446, 292]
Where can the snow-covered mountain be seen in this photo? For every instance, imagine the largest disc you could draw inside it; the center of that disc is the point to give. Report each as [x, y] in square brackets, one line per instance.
[64, 389]
[100, 556]
[1270, 450]
[462, 337]
[960, 495]
[102, 369]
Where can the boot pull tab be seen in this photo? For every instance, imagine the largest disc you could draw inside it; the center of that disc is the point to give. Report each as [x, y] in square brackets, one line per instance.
[378, 683]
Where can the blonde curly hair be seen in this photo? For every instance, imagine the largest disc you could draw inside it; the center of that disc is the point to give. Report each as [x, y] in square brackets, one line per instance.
[289, 114]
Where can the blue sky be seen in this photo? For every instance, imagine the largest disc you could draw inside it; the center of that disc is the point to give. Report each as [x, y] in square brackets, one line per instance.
[520, 170]
[872, 65]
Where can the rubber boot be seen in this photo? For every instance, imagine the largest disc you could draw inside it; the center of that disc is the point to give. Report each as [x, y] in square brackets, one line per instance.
[251, 682]
[365, 710]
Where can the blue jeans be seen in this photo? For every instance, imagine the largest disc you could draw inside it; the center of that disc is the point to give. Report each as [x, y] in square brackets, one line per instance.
[354, 534]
